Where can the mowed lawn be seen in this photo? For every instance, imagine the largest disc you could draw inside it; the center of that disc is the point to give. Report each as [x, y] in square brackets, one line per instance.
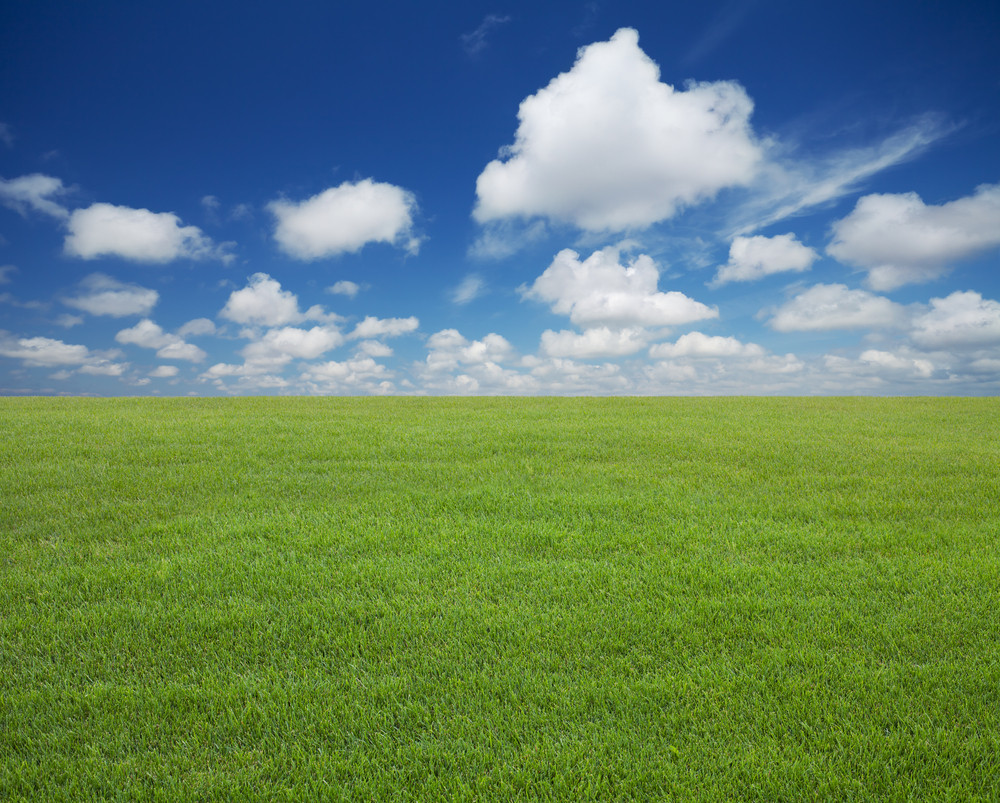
[499, 599]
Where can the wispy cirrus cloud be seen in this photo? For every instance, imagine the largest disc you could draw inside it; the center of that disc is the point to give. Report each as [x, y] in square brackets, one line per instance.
[475, 42]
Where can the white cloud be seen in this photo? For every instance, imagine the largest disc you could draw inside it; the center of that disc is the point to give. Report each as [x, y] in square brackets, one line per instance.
[5, 272]
[597, 342]
[564, 376]
[897, 364]
[197, 327]
[146, 334]
[901, 240]
[470, 288]
[343, 219]
[179, 350]
[164, 371]
[344, 288]
[221, 369]
[600, 291]
[149, 335]
[360, 374]
[48, 352]
[372, 327]
[775, 364]
[6, 135]
[448, 349]
[752, 258]
[136, 234]
[607, 146]
[698, 345]
[103, 368]
[36, 351]
[963, 320]
[249, 375]
[834, 306]
[349, 372]
[278, 346]
[262, 303]
[35, 192]
[101, 294]
[672, 373]
[457, 365]
[373, 348]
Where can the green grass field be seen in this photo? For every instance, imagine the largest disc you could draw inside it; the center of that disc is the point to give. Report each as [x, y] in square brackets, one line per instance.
[500, 599]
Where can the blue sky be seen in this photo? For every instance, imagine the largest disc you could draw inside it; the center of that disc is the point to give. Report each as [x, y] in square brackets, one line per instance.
[578, 197]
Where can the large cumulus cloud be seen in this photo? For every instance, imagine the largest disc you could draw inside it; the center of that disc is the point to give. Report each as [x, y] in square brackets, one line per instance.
[608, 146]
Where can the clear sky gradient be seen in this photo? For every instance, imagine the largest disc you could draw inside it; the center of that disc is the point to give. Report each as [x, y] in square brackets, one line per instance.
[753, 196]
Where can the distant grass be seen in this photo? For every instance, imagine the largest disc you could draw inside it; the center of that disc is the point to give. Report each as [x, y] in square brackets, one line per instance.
[436, 599]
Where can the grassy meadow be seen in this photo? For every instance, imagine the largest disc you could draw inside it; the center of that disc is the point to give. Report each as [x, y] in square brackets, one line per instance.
[499, 599]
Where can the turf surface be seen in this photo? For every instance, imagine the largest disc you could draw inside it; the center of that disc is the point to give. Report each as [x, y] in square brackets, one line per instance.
[441, 599]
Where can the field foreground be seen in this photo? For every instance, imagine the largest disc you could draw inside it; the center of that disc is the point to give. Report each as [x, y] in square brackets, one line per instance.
[440, 599]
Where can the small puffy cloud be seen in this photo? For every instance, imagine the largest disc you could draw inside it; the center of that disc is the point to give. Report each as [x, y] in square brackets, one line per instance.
[149, 335]
[374, 348]
[103, 368]
[470, 288]
[449, 348]
[278, 346]
[896, 364]
[607, 146]
[565, 376]
[372, 327]
[197, 328]
[601, 291]
[344, 288]
[146, 334]
[833, 306]
[456, 364]
[5, 273]
[164, 372]
[100, 294]
[6, 135]
[775, 364]
[33, 192]
[963, 320]
[598, 342]
[48, 352]
[752, 258]
[179, 350]
[262, 303]
[343, 219]
[353, 372]
[249, 375]
[221, 370]
[136, 234]
[901, 240]
[697, 345]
